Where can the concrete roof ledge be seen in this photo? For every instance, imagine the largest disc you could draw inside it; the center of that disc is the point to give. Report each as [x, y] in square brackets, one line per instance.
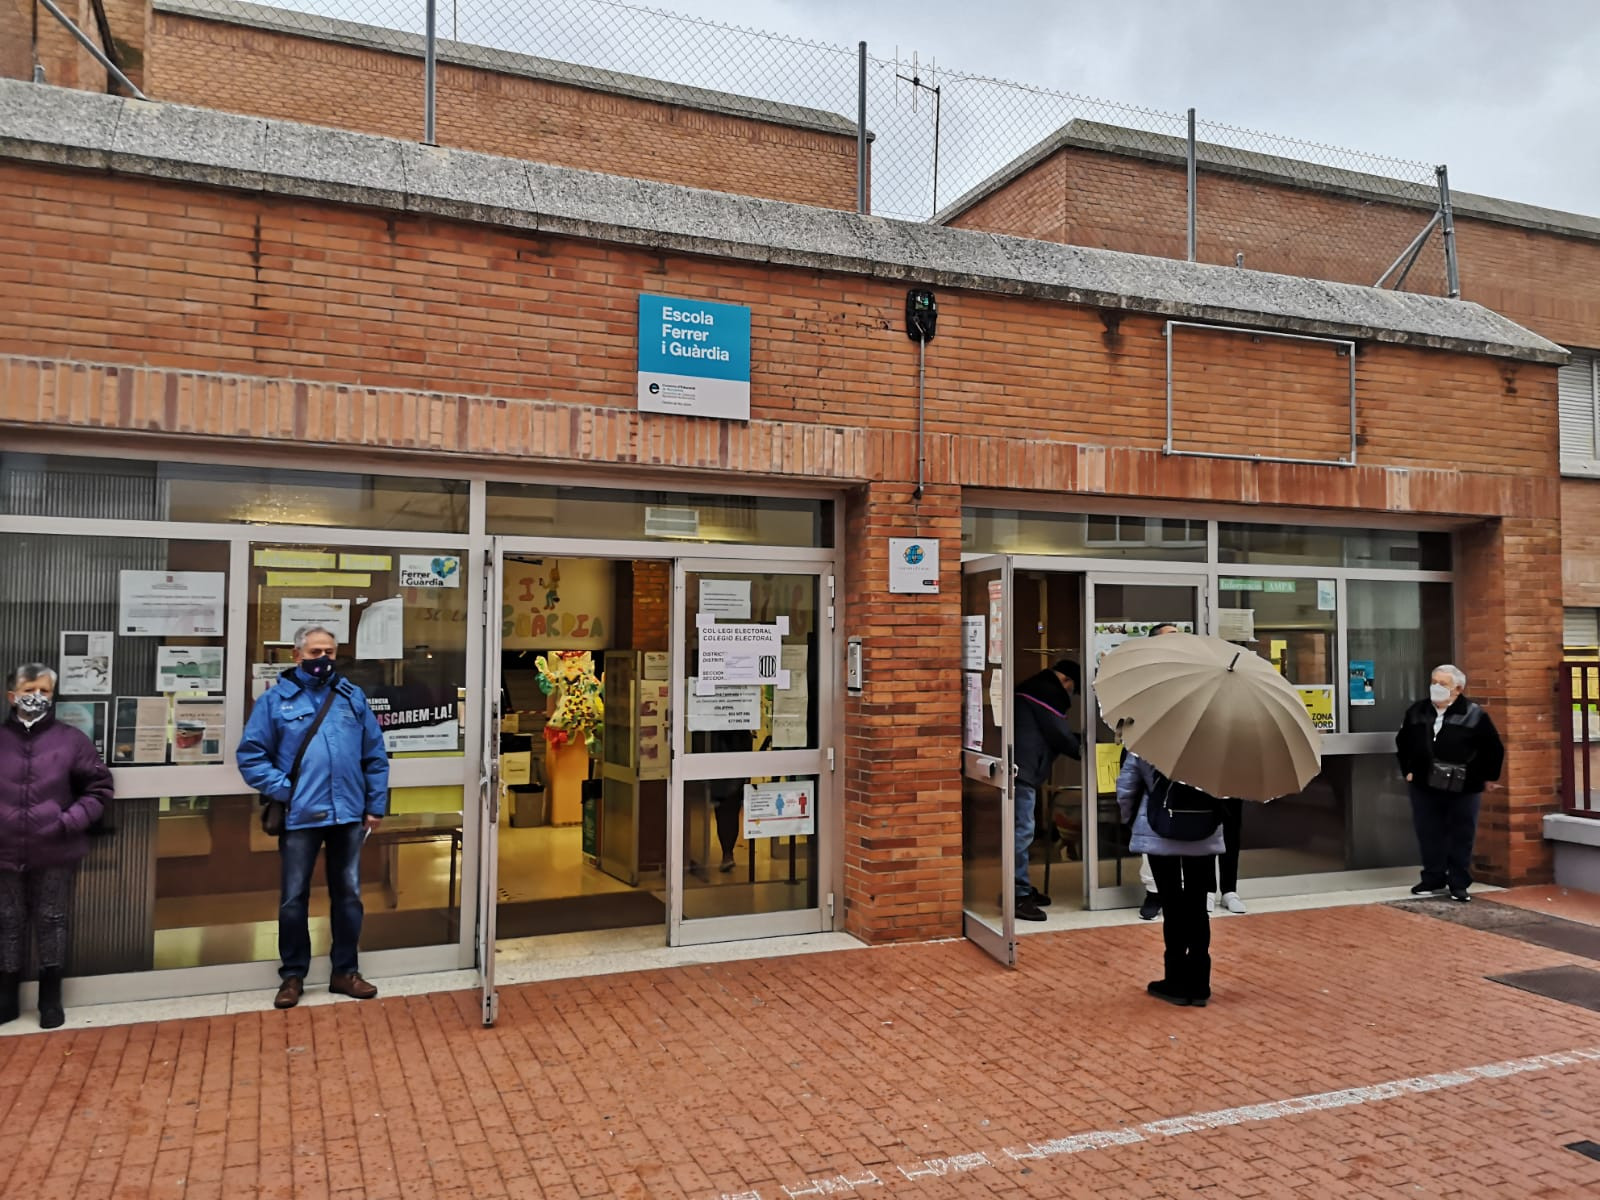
[60, 126]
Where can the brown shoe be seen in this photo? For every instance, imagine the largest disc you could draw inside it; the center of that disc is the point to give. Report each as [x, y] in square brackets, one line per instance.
[289, 992]
[352, 985]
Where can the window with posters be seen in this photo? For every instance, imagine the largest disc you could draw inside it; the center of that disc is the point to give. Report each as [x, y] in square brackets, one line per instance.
[400, 619]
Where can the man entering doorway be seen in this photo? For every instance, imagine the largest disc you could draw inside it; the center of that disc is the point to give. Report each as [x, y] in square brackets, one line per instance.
[313, 745]
[1043, 732]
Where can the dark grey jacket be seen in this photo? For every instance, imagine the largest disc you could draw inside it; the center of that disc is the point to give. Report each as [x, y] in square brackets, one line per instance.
[1043, 730]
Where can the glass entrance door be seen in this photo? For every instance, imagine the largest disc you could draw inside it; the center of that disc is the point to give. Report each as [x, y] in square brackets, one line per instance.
[988, 825]
[751, 813]
[1120, 607]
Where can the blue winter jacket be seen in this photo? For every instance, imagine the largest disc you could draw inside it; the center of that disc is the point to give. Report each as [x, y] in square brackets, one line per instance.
[1135, 785]
[345, 773]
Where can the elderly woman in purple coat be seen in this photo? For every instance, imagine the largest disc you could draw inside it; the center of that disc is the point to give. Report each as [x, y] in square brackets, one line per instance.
[53, 786]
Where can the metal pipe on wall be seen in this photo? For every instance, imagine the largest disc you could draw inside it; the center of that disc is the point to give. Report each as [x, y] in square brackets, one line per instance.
[1193, 178]
[430, 74]
[861, 127]
[1447, 216]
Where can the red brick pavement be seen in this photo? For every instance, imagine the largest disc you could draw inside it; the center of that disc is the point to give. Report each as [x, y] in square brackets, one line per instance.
[803, 1073]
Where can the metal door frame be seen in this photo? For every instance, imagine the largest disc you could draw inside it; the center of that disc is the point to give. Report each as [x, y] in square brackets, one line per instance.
[819, 761]
[1000, 944]
[1199, 581]
[489, 785]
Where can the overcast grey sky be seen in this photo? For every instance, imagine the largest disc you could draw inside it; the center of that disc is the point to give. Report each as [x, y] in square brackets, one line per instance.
[1506, 92]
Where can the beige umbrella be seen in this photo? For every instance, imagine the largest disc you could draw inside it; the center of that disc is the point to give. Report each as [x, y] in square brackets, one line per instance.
[1210, 714]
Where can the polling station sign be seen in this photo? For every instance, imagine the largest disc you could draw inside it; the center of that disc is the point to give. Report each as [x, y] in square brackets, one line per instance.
[694, 357]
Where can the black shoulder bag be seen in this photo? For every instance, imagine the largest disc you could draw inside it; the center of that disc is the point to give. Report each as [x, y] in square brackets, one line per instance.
[1452, 777]
[1182, 813]
[274, 813]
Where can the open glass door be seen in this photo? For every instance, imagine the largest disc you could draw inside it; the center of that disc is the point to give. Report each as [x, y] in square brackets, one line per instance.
[489, 785]
[752, 771]
[988, 823]
[1120, 607]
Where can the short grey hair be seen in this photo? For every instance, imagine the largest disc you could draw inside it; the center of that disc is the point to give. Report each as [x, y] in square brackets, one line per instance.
[27, 673]
[305, 632]
[1457, 675]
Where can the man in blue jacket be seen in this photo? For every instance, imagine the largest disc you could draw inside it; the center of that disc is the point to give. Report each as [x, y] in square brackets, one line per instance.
[340, 794]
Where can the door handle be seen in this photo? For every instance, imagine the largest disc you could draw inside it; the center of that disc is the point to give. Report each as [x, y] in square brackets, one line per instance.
[994, 768]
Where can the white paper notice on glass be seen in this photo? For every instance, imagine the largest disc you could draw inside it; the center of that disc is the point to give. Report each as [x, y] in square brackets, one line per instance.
[913, 565]
[997, 697]
[725, 598]
[263, 676]
[780, 809]
[380, 631]
[725, 708]
[973, 631]
[997, 621]
[296, 612]
[1326, 595]
[741, 655]
[171, 603]
[974, 711]
[1236, 624]
[791, 706]
[85, 663]
[188, 669]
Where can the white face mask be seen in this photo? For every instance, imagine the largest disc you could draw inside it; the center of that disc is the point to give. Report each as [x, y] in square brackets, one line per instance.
[1439, 693]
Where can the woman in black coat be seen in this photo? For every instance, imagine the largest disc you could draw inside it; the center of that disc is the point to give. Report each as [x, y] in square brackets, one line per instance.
[1449, 749]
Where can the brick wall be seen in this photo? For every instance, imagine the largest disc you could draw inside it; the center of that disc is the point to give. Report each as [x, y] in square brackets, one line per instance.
[191, 317]
[272, 74]
[902, 754]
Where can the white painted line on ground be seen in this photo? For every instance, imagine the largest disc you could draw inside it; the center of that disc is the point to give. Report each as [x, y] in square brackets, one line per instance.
[1102, 1139]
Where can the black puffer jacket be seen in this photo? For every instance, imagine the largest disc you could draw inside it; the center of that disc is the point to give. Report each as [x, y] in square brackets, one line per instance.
[1478, 747]
[1043, 731]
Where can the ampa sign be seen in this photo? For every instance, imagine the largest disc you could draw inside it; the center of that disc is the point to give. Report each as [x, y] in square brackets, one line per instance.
[694, 357]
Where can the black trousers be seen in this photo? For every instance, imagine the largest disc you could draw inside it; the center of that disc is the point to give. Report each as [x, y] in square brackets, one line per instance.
[37, 904]
[1228, 860]
[1182, 883]
[729, 826]
[1446, 825]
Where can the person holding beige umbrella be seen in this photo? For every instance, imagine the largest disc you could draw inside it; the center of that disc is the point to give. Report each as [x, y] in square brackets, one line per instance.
[1203, 720]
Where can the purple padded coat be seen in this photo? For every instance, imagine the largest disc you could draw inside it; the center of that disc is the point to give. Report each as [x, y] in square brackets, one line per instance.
[53, 786]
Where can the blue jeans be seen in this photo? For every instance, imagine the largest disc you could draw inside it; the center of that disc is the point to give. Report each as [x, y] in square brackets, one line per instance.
[1026, 799]
[298, 851]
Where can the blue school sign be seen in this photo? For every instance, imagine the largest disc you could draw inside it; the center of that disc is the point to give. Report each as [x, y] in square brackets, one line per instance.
[694, 357]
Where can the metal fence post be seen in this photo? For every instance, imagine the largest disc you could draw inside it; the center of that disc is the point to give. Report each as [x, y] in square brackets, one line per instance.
[861, 128]
[1192, 179]
[430, 74]
[98, 54]
[1452, 271]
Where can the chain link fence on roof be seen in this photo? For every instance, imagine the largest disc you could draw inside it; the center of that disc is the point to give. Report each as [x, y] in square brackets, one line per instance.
[945, 145]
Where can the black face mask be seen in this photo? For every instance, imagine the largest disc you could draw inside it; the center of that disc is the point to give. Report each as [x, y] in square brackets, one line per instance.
[317, 670]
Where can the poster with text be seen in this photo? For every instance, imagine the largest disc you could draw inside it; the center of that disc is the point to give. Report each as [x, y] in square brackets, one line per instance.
[420, 719]
[1363, 674]
[973, 630]
[263, 676]
[997, 621]
[724, 709]
[196, 731]
[188, 668]
[1108, 635]
[780, 809]
[741, 655]
[300, 612]
[973, 711]
[1319, 706]
[88, 716]
[85, 664]
[171, 603]
[139, 731]
[728, 599]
